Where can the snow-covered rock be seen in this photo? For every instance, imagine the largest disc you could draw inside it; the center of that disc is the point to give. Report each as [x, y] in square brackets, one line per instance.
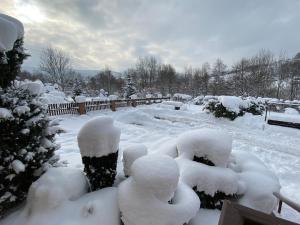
[11, 29]
[98, 137]
[143, 197]
[211, 144]
[130, 154]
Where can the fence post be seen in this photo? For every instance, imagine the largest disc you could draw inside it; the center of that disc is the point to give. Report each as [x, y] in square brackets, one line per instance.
[134, 103]
[81, 108]
[113, 106]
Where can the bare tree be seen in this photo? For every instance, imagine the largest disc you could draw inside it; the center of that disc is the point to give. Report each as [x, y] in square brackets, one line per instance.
[56, 65]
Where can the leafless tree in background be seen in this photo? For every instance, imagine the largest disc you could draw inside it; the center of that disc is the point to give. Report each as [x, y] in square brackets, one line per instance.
[56, 65]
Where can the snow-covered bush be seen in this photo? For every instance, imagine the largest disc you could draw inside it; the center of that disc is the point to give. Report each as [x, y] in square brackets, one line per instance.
[182, 97]
[207, 173]
[60, 197]
[153, 195]
[198, 100]
[27, 142]
[130, 154]
[231, 106]
[217, 173]
[98, 141]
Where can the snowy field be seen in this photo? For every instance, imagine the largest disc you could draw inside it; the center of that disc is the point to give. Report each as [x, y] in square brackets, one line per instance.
[277, 147]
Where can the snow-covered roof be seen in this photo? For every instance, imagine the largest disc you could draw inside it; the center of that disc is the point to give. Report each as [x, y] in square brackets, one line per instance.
[11, 29]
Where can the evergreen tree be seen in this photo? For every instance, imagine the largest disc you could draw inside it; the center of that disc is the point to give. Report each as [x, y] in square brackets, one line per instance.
[77, 88]
[10, 63]
[27, 144]
[130, 88]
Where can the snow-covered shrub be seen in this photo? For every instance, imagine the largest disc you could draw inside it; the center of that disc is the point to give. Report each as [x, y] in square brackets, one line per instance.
[27, 142]
[254, 106]
[130, 154]
[217, 173]
[225, 107]
[231, 106]
[98, 141]
[153, 195]
[60, 197]
[56, 186]
[207, 173]
[198, 100]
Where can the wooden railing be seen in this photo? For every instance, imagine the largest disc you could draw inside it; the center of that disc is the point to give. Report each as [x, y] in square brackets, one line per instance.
[84, 107]
[289, 202]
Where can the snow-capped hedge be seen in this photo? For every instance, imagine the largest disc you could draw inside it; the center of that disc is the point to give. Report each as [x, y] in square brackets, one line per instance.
[231, 106]
[98, 141]
[27, 142]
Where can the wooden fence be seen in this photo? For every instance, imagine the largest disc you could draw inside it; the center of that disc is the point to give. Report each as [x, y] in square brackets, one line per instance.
[84, 107]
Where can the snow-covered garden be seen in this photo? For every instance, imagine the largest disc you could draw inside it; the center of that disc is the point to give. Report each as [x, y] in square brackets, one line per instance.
[248, 156]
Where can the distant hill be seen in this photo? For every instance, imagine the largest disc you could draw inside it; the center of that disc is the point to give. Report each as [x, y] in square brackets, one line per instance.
[85, 73]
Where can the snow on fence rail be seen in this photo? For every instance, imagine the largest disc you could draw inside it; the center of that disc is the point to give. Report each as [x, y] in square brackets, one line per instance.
[84, 107]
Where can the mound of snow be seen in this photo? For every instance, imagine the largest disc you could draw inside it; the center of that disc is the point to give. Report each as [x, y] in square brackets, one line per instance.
[172, 103]
[136, 117]
[156, 174]
[209, 179]
[182, 96]
[56, 186]
[165, 147]
[291, 111]
[143, 198]
[5, 113]
[207, 143]
[34, 88]
[11, 29]
[99, 137]
[130, 154]
[80, 99]
[259, 182]
[233, 103]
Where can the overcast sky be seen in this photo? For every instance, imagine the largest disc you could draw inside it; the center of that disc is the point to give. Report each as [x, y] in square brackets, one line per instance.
[181, 32]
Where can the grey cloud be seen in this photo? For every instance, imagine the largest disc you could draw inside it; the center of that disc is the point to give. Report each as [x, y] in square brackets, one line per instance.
[116, 32]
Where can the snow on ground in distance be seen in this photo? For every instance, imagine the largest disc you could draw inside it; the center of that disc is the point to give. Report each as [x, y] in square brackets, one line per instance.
[277, 147]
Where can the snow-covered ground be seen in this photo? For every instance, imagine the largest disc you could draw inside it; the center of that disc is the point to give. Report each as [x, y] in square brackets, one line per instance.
[277, 147]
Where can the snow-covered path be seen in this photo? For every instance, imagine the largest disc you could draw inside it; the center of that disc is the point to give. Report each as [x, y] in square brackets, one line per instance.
[277, 147]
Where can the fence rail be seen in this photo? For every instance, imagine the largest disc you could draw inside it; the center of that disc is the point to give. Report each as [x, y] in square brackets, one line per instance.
[84, 107]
